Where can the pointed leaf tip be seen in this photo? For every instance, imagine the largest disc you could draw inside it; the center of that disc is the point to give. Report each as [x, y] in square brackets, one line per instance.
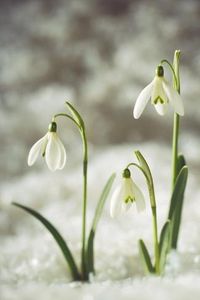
[77, 117]
[97, 215]
[144, 254]
[58, 238]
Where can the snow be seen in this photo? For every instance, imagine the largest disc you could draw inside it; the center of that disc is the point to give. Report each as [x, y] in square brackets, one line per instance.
[99, 55]
[32, 265]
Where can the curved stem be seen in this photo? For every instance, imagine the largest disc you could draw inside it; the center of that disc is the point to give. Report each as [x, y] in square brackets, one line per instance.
[171, 68]
[154, 217]
[68, 116]
[84, 202]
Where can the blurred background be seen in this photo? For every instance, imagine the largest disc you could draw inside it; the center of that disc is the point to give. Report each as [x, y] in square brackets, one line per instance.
[98, 54]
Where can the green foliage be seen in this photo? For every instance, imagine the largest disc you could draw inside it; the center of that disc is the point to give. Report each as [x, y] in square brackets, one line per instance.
[58, 238]
[164, 245]
[97, 215]
[145, 257]
[77, 117]
[176, 205]
[146, 171]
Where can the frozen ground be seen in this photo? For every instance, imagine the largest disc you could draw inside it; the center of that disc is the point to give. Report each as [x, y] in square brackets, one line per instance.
[97, 54]
[32, 266]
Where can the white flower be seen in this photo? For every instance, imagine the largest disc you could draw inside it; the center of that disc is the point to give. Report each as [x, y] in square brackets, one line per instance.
[161, 95]
[125, 195]
[50, 147]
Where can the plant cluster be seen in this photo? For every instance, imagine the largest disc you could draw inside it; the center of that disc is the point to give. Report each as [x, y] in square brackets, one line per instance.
[160, 93]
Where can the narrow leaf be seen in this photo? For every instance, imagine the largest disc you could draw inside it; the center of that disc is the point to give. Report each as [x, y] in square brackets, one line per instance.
[178, 191]
[75, 114]
[102, 200]
[180, 163]
[146, 170]
[90, 252]
[97, 215]
[176, 63]
[176, 205]
[143, 164]
[164, 245]
[58, 238]
[177, 217]
[144, 254]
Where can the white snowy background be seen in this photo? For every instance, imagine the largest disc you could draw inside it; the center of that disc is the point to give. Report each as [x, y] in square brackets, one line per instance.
[98, 54]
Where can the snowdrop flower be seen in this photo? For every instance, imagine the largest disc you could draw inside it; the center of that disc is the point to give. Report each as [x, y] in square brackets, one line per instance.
[125, 195]
[161, 95]
[50, 147]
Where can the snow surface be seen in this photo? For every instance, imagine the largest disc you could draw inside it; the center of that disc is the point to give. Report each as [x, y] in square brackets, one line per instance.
[32, 265]
[98, 54]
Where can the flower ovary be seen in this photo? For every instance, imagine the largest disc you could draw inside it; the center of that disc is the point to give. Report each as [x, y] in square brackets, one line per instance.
[52, 127]
[160, 71]
[126, 173]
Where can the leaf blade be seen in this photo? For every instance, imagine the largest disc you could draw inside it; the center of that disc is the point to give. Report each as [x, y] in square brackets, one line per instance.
[97, 215]
[176, 205]
[180, 163]
[164, 245]
[145, 257]
[178, 191]
[75, 114]
[149, 178]
[58, 238]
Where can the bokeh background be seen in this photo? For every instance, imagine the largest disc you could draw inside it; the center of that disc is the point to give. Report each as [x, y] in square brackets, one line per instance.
[98, 54]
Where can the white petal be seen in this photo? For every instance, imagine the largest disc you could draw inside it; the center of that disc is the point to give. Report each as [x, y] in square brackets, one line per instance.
[161, 108]
[139, 198]
[128, 187]
[126, 206]
[142, 100]
[53, 152]
[174, 98]
[128, 191]
[36, 149]
[116, 202]
[158, 90]
[63, 156]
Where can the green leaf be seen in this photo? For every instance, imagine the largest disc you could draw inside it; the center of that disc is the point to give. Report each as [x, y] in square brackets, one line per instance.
[180, 163]
[146, 170]
[58, 238]
[144, 164]
[176, 62]
[76, 115]
[178, 191]
[164, 245]
[97, 215]
[176, 205]
[144, 254]
[90, 252]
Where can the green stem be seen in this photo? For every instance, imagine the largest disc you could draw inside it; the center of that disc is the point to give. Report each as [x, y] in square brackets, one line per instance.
[67, 116]
[154, 215]
[84, 202]
[84, 207]
[175, 148]
[172, 69]
[156, 242]
[176, 125]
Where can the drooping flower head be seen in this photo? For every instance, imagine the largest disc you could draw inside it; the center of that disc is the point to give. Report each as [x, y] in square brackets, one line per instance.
[126, 194]
[51, 148]
[161, 95]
